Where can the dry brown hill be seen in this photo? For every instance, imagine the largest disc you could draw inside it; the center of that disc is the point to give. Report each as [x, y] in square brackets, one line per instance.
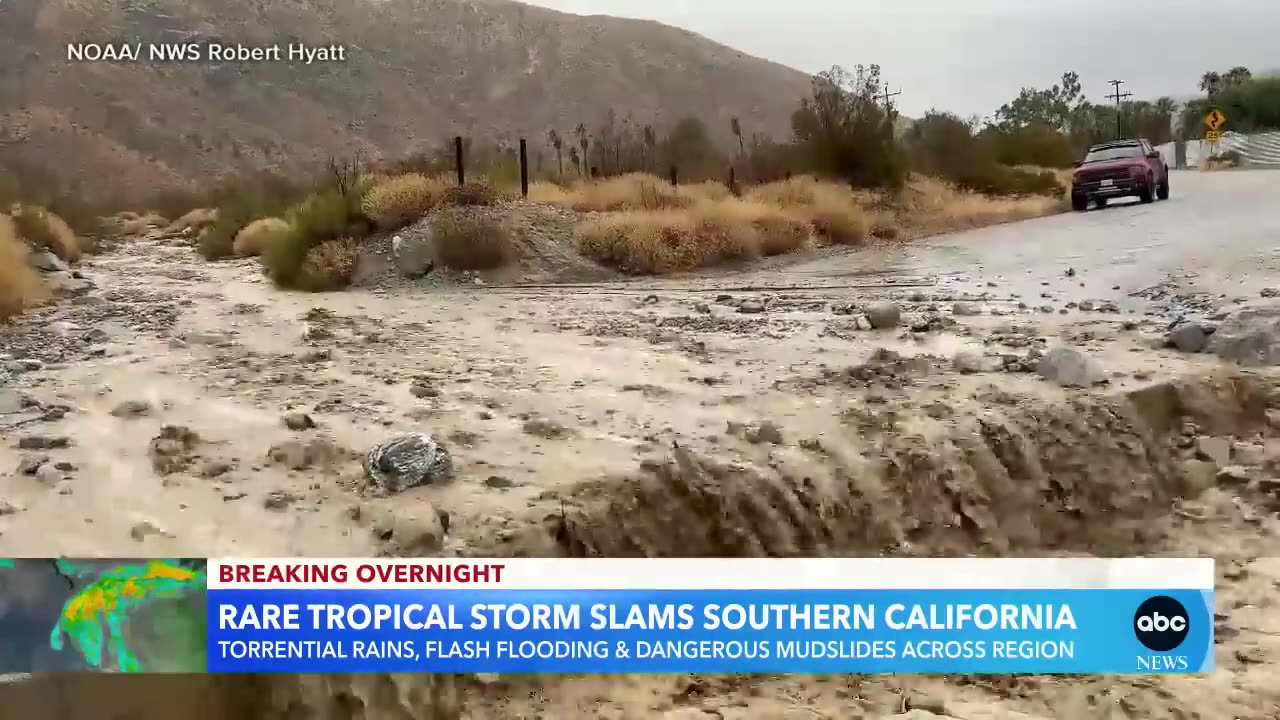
[416, 72]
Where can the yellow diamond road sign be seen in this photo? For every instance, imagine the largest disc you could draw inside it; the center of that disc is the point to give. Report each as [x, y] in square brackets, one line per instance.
[1215, 120]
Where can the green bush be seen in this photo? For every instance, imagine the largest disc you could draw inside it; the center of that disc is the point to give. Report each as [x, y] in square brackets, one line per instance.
[943, 145]
[242, 201]
[324, 216]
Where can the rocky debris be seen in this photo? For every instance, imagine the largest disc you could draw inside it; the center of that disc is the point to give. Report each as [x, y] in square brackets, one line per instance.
[1197, 476]
[48, 474]
[1233, 475]
[132, 409]
[1270, 292]
[22, 365]
[172, 450]
[28, 464]
[884, 315]
[301, 455]
[932, 323]
[43, 442]
[765, 433]
[964, 309]
[408, 461]
[886, 368]
[46, 261]
[1069, 368]
[298, 421]
[498, 482]
[10, 508]
[1214, 449]
[422, 388]
[547, 429]
[414, 256]
[1188, 338]
[408, 532]
[144, 529]
[751, 307]
[279, 500]
[214, 469]
[971, 361]
[1250, 337]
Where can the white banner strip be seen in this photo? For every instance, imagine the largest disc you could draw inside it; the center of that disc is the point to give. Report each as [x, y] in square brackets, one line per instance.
[712, 574]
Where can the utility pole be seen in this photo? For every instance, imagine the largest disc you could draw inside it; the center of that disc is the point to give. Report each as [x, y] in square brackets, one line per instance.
[1118, 97]
[887, 96]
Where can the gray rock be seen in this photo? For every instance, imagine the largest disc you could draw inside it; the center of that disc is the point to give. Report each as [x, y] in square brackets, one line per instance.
[1197, 477]
[1188, 338]
[413, 252]
[1250, 337]
[408, 461]
[862, 322]
[766, 433]
[972, 361]
[46, 261]
[21, 365]
[298, 421]
[966, 309]
[132, 409]
[884, 316]
[1214, 449]
[29, 464]
[1233, 475]
[751, 307]
[1069, 368]
[43, 442]
[48, 474]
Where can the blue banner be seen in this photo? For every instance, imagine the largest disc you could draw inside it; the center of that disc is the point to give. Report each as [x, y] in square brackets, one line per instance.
[710, 631]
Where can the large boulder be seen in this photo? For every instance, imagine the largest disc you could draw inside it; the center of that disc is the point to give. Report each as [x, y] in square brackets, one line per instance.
[1069, 368]
[413, 251]
[45, 261]
[408, 461]
[1250, 337]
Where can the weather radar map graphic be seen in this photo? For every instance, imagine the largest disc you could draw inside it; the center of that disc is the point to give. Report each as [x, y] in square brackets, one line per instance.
[105, 615]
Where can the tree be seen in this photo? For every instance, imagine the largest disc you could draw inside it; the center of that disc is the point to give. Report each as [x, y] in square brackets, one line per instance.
[557, 142]
[689, 146]
[842, 130]
[577, 161]
[584, 142]
[736, 127]
[650, 142]
[1237, 75]
[1210, 82]
[1053, 107]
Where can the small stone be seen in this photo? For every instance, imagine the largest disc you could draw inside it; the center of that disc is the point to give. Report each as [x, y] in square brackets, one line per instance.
[751, 307]
[1188, 338]
[547, 429]
[1214, 449]
[863, 323]
[1088, 306]
[966, 309]
[1071, 272]
[298, 421]
[765, 433]
[214, 469]
[1069, 368]
[48, 474]
[423, 389]
[498, 482]
[28, 464]
[10, 508]
[972, 361]
[702, 308]
[1233, 475]
[65, 466]
[144, 529]
[279, 500]
[1270, 292]
[43, 442]
[132, 409]
[884, 315]
[1251, 655]
[1047, 309]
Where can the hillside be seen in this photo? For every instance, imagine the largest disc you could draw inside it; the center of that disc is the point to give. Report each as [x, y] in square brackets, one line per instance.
[416, 72]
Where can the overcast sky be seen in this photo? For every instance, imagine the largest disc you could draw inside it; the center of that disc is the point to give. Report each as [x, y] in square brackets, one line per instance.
[971, 56]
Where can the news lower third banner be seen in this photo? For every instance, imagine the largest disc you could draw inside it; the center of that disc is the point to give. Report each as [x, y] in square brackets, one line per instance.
[607, 616]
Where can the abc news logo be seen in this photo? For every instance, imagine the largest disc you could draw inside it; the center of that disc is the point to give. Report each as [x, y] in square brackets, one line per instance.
[1161, 623]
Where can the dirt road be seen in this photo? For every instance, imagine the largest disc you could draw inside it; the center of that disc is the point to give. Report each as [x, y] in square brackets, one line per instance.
[689, 417]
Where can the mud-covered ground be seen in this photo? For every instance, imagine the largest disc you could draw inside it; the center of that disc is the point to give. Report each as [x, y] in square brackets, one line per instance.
[171, 407]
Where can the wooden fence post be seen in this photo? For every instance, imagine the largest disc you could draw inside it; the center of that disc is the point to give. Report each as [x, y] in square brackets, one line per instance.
[457, 159]
[674, 178]
[524, 170]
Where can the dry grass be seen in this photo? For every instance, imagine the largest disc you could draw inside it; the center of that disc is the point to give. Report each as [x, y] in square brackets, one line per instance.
[1063, 175]
[930, 205]
[635, 191]
[664, 241]
[20, 285]
[197, 220]
[42, 229]
[467, 240]
[833, 209]
[253, 239]
[330, 265]
[396, 201]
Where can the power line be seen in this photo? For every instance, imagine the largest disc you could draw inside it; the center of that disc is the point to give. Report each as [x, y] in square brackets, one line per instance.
[886, 96]
[1118, 97]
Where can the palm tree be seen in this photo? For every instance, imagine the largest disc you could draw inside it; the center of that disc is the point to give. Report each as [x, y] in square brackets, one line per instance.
[584, 142]
[1210, 81]
[1236, 76]
[557, 142]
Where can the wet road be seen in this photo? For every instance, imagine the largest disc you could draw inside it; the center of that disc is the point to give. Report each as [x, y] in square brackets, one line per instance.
[1218, 233]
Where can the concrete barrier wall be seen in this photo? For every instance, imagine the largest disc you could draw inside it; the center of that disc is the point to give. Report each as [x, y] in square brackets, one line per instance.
[1256, 150]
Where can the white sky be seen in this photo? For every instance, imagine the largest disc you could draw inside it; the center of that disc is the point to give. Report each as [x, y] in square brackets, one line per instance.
[970, 56]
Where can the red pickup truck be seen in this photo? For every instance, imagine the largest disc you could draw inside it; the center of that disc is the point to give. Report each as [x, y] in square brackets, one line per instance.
[1122, 168]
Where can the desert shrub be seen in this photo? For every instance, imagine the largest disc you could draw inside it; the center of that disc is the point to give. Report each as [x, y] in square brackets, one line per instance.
[884, 227]
[197, 220]
[400, 200]
[705, 190]
[243, 201]
[330, 265]
[843, 130]
[832, 209]
[935, 205]
[471, 194]
[464, 240]
[45, 230]
[945, 146]
[543, 191]
[255, 236]
[20, 285]
[1035, 144]
[666, 241]
[323, 216]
